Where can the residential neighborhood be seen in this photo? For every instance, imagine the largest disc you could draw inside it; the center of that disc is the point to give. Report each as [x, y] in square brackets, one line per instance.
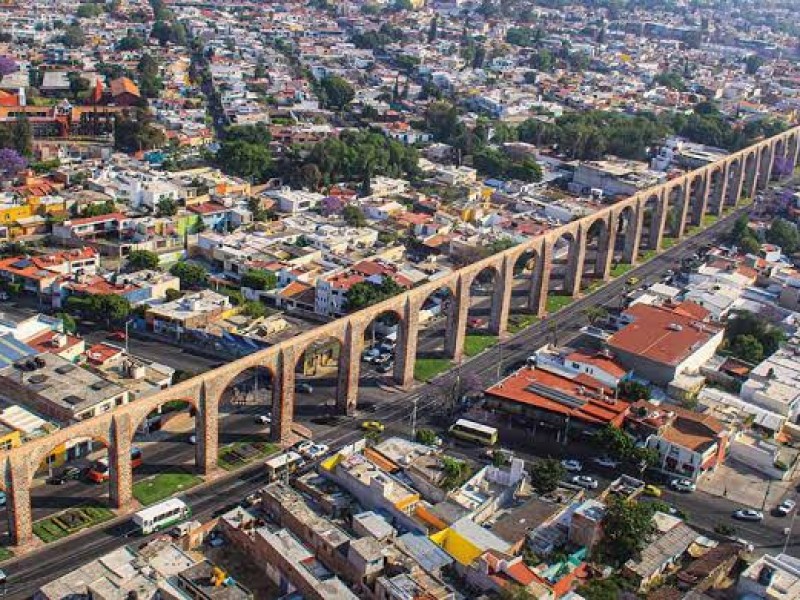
[400, 299]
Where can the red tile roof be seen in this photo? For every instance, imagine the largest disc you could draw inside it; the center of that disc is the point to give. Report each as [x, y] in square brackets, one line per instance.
[661, 335]
[100, 353]
[584, 394]
[43, 342]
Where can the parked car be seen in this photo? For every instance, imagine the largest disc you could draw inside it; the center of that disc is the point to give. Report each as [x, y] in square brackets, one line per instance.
[382, 359]
[3, 499]
[572, 465]
[652, 490]
[785, 507]
[386, 367]
[605, 461]
[369, 407]
[683, 485]
[55, 480]
[317, 451]
[305, 388]
[370, 354]
[72, 473]
[376, 426]
[590, 483]
[263, 419]
[193, 439]
[119, 336]
[748, 514]
[476, 323]
[4, 296]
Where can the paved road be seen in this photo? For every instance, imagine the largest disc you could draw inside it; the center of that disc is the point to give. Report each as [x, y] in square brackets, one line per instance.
[395, 409]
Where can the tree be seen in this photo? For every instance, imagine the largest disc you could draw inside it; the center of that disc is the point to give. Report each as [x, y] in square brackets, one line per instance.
[68, 322]
[138, 133]
[615, 441]
[426, 436]
[252, 134]
[546, 474]
[244, 159]
[78, 85]
[7, 65]
[784, 234]
[455, 471]
[365, 293]
[633, 390]
[354, 216]
[259, 279]
[441, 119]
[254, 309]
[73, 36]
[310, 176]
[21, 136]
[142, 259]
[11, 163]
[516, 592]
[594, 313]
[130, 42]
[166, 207]
[191, 275]
[748, 348]
[88, 11]
[433, 29]
[753, 63]
[337, 92]
[627, 526]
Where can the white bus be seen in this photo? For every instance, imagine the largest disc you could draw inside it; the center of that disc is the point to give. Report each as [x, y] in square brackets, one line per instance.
[283, 464]
[474, 432]
[161, 515]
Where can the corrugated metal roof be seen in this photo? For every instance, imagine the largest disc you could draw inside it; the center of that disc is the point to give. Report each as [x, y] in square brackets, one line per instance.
[12, 350]
[425, 552]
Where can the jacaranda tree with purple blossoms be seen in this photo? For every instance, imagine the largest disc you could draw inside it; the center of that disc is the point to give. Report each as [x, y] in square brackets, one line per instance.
[11, 163]
[7, 65]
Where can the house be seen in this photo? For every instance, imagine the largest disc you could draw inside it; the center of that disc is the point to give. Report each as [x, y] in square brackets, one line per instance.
[568, 401]
[771, 577]
[689, 444]
[660, 555]
[124, 92]
[661, 343]
[193, 311]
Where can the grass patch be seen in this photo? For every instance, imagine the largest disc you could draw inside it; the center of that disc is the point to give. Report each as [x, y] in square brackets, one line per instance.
[646, 255]
[475, 343]
[709, 220]
[595, 285]
[517, 323]
[668, 243]
[156, 488]
[5, 553]
[239, 454]
[555, 302]
[426, 369]
[70, 521]
[620, 269]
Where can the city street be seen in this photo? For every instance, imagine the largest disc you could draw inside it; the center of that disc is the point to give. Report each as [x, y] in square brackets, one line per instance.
[395, 408]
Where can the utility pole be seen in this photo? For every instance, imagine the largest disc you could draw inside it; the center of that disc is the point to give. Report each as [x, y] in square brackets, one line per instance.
[414, 419]
[500, 358]
[766, 495]
[789, 530]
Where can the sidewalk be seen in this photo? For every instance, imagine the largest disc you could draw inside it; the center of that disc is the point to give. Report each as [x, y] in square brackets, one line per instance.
[743, 485]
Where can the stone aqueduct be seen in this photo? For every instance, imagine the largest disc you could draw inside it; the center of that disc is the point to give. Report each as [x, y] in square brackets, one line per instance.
[707, 190]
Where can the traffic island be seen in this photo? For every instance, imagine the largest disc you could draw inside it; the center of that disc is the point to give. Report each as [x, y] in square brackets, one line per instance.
[475, 343]
[71, 521]
[555, 302]
[237, 455]
[154, 489]
[517, 323]
[426, 369]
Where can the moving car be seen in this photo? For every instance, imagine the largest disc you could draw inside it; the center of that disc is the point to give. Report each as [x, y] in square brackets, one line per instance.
[785, 507]
[302, 447]
[376, 426]
[303, 387]
[572, 465]
[55, 480]
[683, 485]
[263, 419]
[72, 473]
[590, 483]
[748, 514]
[120, 336]
[652, 490]
[606, 461]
